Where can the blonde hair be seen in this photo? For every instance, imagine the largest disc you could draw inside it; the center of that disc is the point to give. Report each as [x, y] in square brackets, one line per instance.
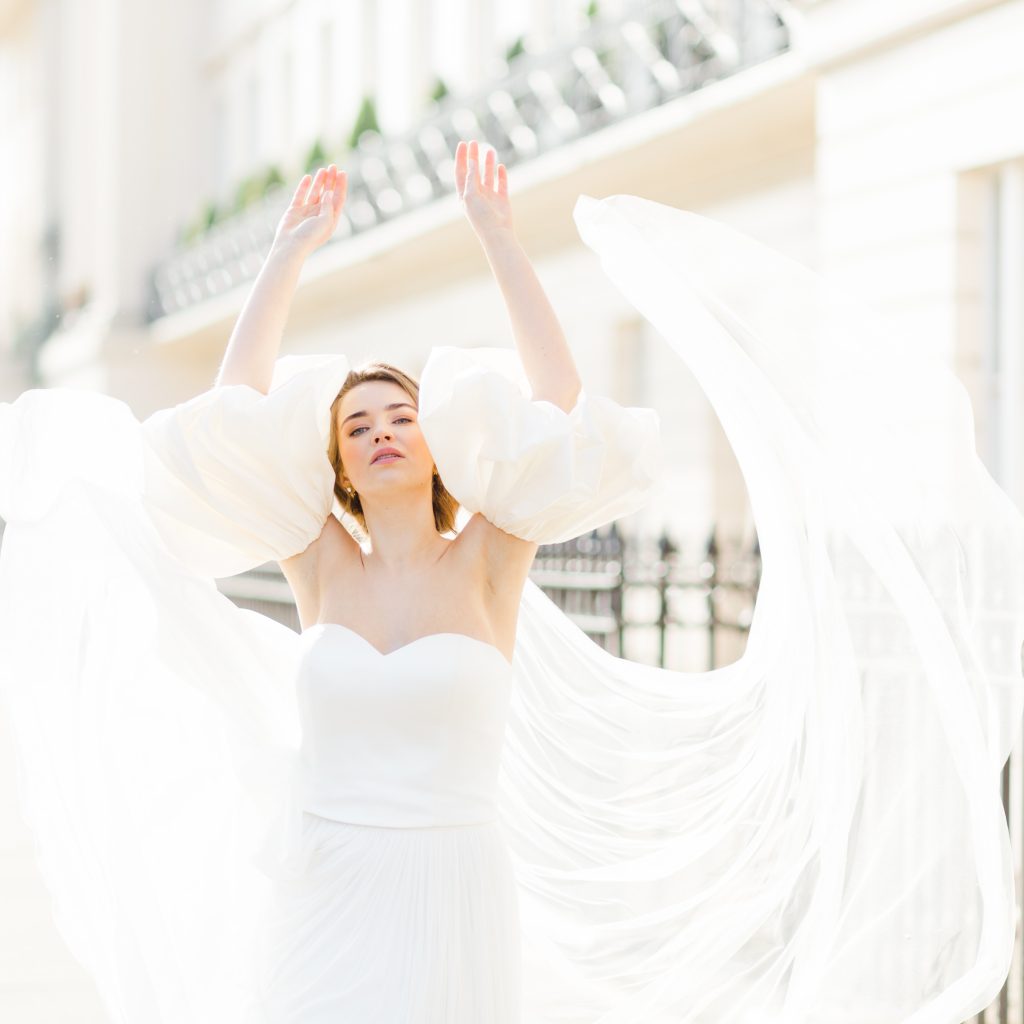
[445, 506]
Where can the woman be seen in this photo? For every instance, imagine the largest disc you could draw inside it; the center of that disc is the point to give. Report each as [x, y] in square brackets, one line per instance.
[441, 802]
[445, 943]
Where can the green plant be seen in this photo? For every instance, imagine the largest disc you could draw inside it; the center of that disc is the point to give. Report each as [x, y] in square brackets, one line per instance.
[272, 178]
[248, 191]
[592, 11]
[366, 120]
[316, 157]
[213, 214]
[210, 214]
[515, 49]
[439, 91]
[608, 59]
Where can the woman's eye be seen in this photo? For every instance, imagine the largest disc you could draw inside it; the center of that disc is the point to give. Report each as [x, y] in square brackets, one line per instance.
[400, 419]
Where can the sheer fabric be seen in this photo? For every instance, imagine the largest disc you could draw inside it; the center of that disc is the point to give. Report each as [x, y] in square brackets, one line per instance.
[813, 833]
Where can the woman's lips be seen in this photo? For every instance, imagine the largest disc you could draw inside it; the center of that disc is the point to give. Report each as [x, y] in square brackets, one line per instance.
[386, 458]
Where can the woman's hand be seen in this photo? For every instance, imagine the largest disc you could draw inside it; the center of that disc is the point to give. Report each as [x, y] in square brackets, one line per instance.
[309, 221]
[313, 213]
[485, 201]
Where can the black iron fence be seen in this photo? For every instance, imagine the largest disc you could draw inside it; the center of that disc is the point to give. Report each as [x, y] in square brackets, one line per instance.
[652, 599]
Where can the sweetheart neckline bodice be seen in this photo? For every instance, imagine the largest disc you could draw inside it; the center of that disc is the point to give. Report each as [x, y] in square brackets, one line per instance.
[411, 643]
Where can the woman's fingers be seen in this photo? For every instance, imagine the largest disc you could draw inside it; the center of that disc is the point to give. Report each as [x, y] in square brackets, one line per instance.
[460, 167]
[489, 170]
[327, 196]
[301, 189]
[318, 185]
[331, 184]
[474, 162]
[470, 170]
[327, 189]
[326, 205]
[468, 164]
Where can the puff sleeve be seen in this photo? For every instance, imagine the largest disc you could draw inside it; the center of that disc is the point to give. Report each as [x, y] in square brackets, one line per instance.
[235, 478]
[528, 466]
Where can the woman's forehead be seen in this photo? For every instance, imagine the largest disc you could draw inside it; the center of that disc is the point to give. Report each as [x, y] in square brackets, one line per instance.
[373, 394]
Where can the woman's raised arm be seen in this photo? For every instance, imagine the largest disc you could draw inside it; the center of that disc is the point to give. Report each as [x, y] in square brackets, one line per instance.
[308, 222]
[539, 337]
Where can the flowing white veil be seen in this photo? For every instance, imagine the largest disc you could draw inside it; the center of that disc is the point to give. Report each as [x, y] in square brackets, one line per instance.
[815, 832]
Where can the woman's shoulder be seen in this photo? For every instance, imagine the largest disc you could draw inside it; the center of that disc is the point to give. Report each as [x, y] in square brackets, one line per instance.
[334, 551]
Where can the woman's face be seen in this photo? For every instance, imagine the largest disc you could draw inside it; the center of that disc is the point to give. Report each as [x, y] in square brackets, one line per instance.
[375, 416]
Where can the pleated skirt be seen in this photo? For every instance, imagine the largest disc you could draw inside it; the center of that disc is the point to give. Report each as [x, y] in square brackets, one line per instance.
[393, 926]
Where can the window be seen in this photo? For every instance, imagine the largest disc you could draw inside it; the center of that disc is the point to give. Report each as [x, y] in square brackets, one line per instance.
[1001, 371]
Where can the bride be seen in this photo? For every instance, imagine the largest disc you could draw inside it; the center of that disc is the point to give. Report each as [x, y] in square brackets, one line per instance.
[422, 928]
[440, 802]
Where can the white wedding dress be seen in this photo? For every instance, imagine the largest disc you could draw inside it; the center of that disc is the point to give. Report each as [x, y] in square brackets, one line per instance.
[241, 824]
[405, 907]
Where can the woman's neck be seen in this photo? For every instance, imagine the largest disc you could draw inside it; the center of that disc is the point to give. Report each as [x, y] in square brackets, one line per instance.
[404, 537]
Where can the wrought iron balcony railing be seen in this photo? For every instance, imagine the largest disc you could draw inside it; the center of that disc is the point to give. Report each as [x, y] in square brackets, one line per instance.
[612, 71]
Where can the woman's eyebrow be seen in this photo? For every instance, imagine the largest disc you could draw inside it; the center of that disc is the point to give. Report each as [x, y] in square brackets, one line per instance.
[363, 412]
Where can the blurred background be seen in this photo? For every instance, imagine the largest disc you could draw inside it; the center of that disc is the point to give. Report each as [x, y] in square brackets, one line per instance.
[150, 148]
